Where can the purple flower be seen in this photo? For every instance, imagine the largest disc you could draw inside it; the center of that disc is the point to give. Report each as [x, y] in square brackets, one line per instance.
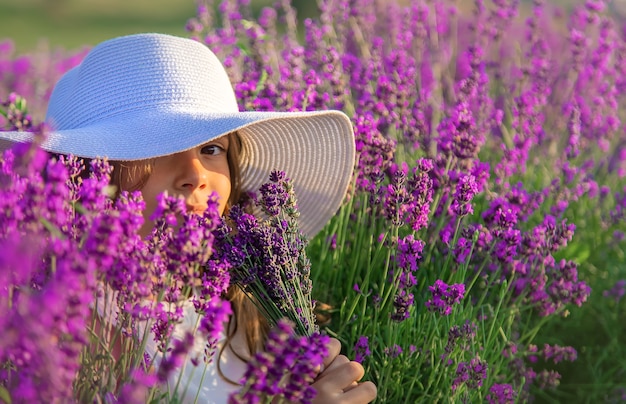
[82, 244]
[362, 349]
[558, 353]
[574, 127]
[45, 351]
[444, 296]
[274, 194]
[286, 368]
[332, 242]
[565, 288]
[182, 242]
[420, 187]
[460, 338]
[393, 351]
[175, 357]
[55, 272]
[470, 373]
[501, 394]
[216, 314]
[595, 5]
[137, 388]
[465, 190]
[457, 133]
[617, 291]
[375, 151]
[15, 113]
[167, 210]
[395, 194]
[402, 301]
[462, 249]
[548, 379]
[408, 254]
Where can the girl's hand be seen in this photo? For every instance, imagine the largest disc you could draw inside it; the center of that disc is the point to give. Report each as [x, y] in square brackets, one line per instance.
[338, 381]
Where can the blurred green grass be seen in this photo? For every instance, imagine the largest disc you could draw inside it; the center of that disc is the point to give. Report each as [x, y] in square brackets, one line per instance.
[72, 24]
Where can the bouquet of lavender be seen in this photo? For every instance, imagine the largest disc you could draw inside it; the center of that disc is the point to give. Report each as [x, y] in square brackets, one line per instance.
[267, 255]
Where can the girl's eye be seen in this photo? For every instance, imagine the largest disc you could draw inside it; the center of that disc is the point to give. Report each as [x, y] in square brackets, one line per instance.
[212, 150]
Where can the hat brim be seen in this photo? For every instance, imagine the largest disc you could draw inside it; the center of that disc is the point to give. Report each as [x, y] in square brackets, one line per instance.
[315, 149]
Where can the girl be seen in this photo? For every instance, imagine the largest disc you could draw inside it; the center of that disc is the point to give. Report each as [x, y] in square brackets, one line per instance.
[163, 110]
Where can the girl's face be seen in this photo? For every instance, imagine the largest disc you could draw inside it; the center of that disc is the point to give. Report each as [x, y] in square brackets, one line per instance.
[194, 174]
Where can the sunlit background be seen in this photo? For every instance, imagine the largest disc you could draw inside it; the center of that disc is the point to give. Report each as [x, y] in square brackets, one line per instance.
[72, 24]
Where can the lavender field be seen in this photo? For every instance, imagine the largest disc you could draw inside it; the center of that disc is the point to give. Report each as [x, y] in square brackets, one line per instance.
[478, 257]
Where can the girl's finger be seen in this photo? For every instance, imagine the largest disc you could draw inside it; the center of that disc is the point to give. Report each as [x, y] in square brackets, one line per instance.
[361, 393]
[351, 386]
[341, 377]
[334, 347]
[339, 360]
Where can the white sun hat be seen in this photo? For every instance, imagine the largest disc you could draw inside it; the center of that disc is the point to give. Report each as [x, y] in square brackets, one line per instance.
[149, 95]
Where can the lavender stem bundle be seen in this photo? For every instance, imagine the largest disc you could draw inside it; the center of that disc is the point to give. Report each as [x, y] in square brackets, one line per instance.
[267, 255]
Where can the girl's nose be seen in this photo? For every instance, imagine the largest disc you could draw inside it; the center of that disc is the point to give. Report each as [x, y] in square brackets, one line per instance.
[192, 174]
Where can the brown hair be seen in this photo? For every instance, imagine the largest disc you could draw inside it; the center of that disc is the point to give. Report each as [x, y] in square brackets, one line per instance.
[245, 313]
[132, 176]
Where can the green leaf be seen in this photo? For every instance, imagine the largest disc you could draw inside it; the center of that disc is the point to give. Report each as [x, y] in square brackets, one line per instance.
[20, 104]
[578, 252]
[5, 397]
[261, 83]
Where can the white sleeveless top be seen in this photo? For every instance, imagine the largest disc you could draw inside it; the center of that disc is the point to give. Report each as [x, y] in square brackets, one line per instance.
[204, 379]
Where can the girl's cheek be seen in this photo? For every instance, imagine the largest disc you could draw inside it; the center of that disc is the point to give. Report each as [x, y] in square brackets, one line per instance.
[223, 188]
[222, 207]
